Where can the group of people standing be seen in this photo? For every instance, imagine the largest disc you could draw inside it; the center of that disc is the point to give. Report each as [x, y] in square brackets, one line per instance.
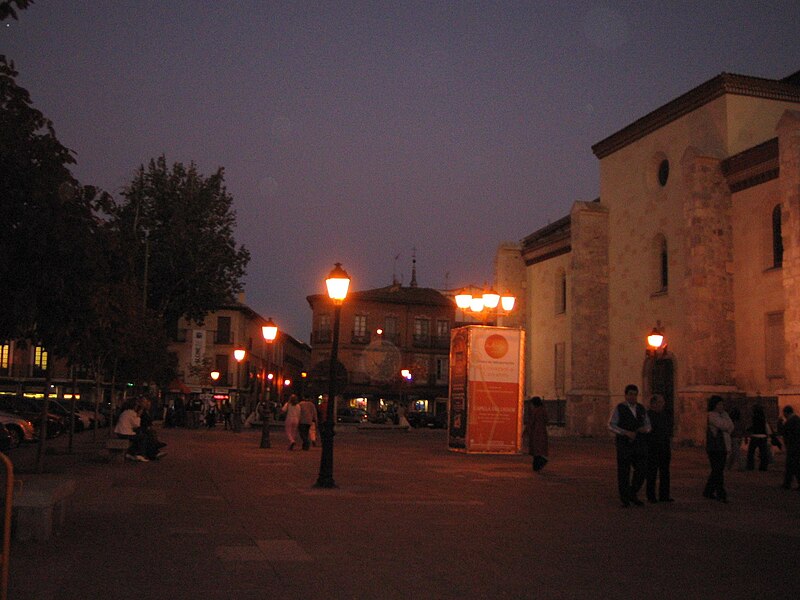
[643, 444]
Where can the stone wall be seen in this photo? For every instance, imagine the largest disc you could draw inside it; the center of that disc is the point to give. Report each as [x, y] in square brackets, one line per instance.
[587, 398]
[710, 350]
[789, 185]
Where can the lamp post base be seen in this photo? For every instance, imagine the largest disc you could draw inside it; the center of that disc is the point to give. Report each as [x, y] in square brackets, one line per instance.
[325, 479]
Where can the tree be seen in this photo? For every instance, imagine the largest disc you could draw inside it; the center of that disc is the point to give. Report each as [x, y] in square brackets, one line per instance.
[179, 226]
[7, 8]
[47, 223]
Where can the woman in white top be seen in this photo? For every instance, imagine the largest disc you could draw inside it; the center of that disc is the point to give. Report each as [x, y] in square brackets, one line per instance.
[718, 444]
[292, 410]
[127, 428]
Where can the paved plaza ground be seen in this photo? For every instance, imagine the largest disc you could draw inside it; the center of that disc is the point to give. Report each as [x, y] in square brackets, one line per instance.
[220, 518]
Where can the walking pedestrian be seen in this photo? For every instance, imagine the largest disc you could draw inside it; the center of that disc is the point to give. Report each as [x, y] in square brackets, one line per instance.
[629, 422]
[308, 417]
[227, 412]
[737, 438]
[758, 432]
[790, 430]
[659, 451]
[536, 433]
[292, 410]
[718, 444]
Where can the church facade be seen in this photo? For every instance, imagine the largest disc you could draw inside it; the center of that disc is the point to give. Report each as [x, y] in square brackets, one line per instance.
[696, 232]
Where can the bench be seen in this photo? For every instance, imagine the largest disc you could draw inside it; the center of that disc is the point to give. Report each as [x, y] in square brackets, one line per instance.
[39, 507]
[117, 448]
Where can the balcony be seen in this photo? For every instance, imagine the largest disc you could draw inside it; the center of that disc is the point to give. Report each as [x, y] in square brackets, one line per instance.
[441, 342]
[421, 341]
[360, 338]
[321, 337]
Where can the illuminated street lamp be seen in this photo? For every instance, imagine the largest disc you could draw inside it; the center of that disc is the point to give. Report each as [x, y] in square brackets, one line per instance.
[214, 378]
[239, 355]
[269, 332]
[656, 340]
[338, 282]
[486, 304]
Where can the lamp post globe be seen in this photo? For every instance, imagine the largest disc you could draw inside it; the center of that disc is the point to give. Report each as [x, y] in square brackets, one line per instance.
[269, 332]
[238, 355]
[338, 282]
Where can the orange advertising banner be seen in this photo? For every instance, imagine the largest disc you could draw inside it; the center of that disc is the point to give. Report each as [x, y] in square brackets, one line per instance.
[486, 389]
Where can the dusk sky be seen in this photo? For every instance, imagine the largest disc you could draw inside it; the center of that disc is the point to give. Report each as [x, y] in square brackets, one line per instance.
[353, 132]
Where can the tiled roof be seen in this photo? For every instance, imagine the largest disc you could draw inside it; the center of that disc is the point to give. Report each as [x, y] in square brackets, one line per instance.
[396, 294]
[786, 90]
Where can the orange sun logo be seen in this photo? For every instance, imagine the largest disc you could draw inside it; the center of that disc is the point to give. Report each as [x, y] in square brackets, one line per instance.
[496, 346]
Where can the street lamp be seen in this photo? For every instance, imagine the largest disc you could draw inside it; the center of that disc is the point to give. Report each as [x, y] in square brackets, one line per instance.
[486, 304]
[269, 332]
[656, 340]
[338, 282]
[239, 355]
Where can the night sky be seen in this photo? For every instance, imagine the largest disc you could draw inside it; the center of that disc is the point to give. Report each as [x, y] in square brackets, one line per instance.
[355, 132]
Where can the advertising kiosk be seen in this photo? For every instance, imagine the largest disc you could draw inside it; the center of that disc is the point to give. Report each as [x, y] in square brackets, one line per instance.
[486, 381]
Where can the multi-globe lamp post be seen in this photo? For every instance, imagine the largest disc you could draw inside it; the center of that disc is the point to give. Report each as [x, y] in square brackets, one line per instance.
[269, 332]
[337, 283]
[486, 304]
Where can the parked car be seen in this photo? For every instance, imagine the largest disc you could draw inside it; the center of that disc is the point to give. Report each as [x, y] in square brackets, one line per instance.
[58, 409]
[27, 409]
[5, 439]
[86, 418]
[351, 415]
[427, 419]
[103, 409]
[20, 430]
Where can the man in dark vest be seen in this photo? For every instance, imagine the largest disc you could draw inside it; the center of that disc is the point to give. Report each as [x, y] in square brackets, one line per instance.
[630, 422]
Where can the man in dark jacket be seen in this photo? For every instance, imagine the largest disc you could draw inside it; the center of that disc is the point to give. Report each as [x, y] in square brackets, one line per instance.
[659, 451]
[790, 429]
[630, 422]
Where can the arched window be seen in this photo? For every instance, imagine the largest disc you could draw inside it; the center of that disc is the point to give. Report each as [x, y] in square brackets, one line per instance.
[561, 292]
[777, 239]
[660, 264]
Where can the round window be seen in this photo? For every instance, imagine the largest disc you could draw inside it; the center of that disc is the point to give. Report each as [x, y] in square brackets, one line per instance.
[663, 172]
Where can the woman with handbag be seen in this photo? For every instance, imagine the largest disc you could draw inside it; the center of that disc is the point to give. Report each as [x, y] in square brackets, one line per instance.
[718, 444]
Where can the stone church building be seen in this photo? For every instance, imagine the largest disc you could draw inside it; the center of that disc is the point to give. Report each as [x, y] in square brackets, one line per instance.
[696, 231]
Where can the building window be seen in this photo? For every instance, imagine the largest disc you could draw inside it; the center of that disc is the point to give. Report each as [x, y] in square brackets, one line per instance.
[224, 330]
[442, 369]
[559, 369]
[422, 330]
[443, 333]
[774, 347]
[663, 172]
[661, 278]
[561, 292]
[360, 326]
[40, 358]
[777, 238]
[4, 352]
[323, 333]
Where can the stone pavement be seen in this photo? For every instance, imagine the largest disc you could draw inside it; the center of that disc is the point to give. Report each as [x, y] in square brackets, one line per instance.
[220, 518]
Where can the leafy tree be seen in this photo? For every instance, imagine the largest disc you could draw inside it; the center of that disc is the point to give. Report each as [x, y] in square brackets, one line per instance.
[47, 223]
[7, 8]
[179, 226]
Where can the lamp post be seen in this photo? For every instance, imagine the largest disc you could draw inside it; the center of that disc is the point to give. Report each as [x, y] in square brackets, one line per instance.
[656, 341]
[239, 355]
[269, 332]
[214, 378]
[405, 379]
[338, 282]
[488, 303]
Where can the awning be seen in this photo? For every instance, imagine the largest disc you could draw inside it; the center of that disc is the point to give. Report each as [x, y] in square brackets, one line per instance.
[178, 387]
